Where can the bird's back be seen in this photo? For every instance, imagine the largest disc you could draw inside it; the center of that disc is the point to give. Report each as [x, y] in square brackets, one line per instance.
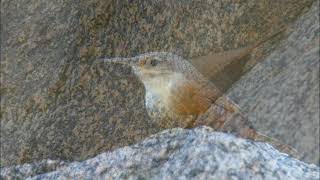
[192, 98]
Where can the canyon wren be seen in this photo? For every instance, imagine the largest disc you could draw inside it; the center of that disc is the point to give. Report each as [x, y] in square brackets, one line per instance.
[178, 92]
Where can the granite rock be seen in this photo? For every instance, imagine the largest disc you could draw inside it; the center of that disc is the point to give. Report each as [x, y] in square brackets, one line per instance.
[280, 95]
[28, 170]
[200, 153]
[53, 103]
[57, 103]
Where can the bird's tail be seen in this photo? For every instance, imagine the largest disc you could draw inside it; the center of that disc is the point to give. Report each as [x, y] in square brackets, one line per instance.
[285, 148]
[243, 128]
[226, 116]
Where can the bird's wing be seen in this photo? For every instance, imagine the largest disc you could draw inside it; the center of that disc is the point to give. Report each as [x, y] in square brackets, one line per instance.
[224, 68]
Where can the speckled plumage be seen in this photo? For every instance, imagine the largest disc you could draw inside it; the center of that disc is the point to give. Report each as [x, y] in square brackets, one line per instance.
[177, 88]
[178, 71]
[177, 93]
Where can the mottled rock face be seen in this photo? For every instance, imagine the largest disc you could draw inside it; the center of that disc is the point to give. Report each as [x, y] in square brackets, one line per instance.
[200, 153]
[188, 28]
[89, 115]
[56, 103]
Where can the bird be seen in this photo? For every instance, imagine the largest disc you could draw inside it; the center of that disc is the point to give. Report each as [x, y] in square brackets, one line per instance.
[178, 92]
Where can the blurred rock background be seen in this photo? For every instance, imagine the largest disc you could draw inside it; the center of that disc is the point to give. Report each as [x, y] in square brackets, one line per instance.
[59, 102]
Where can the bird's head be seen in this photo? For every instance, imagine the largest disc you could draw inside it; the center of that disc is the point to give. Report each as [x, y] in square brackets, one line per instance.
[158, 77]
[146, 67]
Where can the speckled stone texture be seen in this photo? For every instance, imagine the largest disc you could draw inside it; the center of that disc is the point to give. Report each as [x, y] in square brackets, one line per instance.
[281, 95]
[56, 103]
[28, 170]
[200, 153]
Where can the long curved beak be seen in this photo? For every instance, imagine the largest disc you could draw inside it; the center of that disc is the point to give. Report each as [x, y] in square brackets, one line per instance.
[127, 61]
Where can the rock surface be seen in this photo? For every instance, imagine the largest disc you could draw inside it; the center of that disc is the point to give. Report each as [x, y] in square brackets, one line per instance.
[28, 170]
[281, 94]
[200, 153]
[56, 103]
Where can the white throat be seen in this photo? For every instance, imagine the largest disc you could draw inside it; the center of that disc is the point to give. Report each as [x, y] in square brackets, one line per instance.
[158, 90]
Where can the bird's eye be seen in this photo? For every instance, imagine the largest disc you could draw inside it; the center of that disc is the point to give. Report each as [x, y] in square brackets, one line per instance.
[153, 62]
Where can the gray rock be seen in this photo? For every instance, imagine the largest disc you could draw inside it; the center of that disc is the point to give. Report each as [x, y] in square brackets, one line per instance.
[200, 153]
[281, 94]
[28, 170]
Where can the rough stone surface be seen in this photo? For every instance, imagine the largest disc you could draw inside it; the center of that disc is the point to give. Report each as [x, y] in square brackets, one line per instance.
[281, 94]
[56, 103]
[28, 170]
[200, 153]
